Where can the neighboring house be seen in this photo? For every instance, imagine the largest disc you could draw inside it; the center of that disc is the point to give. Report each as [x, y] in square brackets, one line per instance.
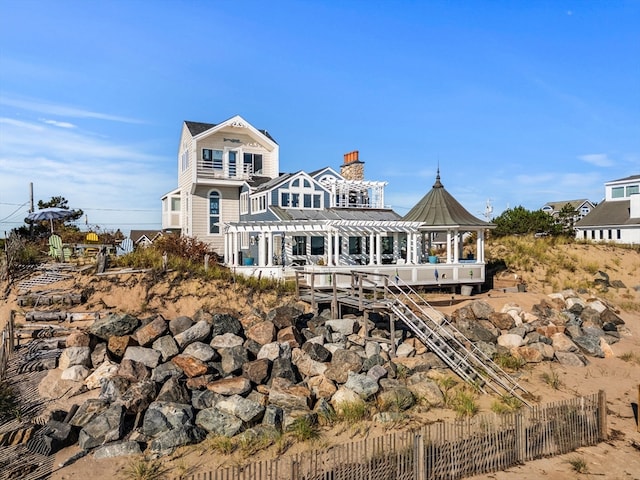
[262, 223]
[144, 237]
[581, 206]
[617, 218]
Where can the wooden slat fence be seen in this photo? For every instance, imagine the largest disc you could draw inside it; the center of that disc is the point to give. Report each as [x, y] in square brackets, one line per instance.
[7, 346]
[443, 451]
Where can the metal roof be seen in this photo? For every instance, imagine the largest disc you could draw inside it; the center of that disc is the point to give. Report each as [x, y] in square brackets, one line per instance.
[352, 214]
[439, 208]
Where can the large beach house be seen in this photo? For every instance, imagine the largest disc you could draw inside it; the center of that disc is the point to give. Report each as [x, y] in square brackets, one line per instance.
[231, 195]
[617, 218]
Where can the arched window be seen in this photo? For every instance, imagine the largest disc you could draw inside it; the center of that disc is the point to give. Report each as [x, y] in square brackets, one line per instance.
[214, 212]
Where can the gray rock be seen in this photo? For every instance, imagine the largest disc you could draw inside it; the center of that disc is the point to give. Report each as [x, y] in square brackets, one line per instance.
[608, 316]
[218, 422]
[590, 344]
[371, 349]
[75, 356]
[164, 371]
[316, 352]
[373, 361]
[132, 370]
[510, 340]
[575, 305]
[425, 389]
[138, 396]
[201, 399]
[199, 332]
[257, 371]
[344, 326]
[273, 417]
[76, 373]
[113, 388]
[343, 362]
[481, 309]
[118, 449]
[489, 349]
[167, 347]
[172, 391]
[377, 372]
[226, 340]
[591, 316]
[147, 356]
[562, 343]
[283, 368]
[362, 384]
[99, 354]
[161, 417]
[222, 323]
[178, 437]
[180, 324]
[245, 409]
[201, 351]
[474, 331]
[87, 411]
[274, 350]
[398, 398]
[114, 325]
[232, 359]
[306, 365]
[570, 359]
[284, 316]
[105, 427]
[287, 396]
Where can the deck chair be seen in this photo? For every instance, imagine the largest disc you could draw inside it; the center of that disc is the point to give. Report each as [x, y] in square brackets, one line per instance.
[125, 247]
[92, 237]
[55, 247]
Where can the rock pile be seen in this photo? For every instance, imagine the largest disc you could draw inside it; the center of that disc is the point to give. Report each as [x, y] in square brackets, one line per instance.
[166, 383]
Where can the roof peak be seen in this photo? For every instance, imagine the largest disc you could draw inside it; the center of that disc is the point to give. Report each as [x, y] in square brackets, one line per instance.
[438, 184]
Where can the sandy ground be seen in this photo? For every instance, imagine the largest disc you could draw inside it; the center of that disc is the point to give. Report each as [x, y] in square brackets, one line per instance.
[618, 458]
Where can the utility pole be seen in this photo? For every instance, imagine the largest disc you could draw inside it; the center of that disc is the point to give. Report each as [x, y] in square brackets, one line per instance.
[31, 209]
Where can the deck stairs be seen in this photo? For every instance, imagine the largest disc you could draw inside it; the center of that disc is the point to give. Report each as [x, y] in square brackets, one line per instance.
[449, 344]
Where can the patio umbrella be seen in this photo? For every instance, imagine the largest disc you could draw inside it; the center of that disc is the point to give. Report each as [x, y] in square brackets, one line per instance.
[51, 214]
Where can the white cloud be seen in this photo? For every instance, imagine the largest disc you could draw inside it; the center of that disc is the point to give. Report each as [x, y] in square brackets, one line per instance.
[55, 123]
[48, 108]
[597, 159]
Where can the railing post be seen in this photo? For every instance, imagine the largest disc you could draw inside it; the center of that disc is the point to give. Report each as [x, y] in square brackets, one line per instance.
[521, 455]
[297, 286]
[419, 466]
[334, 301]
[313, 293]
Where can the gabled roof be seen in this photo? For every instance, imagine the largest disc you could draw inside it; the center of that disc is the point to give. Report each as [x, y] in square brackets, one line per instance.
[439, 208]
[196, 128]
[557, 206]
[609, 214]
[151, 235]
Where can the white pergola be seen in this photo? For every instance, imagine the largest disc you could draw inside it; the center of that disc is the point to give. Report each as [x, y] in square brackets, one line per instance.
[267, 231]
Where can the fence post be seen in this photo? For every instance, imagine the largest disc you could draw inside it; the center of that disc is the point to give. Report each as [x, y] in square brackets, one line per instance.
[638, 409]
[521, 454]
[419, 472]
[602, 415]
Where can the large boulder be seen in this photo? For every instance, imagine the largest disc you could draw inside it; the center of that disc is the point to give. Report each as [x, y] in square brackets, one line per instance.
[362, 384]
[257, 371]
[167, 347]
[199, 332]
[284, 316]
[114, 324]
[288, 396]
[481, 309]
[201, 351]
[216, 421]
[147, 356]
[262, 333]
[222, 323]
[148, 333]
[74, 356]
[230, 386]
[139, 396]
[232, 359]
[161, 417]
[105, 427]
[191, 366]
[343, 362]
[249, 411]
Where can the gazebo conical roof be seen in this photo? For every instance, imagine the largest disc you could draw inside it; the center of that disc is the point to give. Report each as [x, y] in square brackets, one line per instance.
[439, 208]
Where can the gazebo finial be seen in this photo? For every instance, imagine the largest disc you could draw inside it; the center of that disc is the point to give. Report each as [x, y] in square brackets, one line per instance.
[438, 184]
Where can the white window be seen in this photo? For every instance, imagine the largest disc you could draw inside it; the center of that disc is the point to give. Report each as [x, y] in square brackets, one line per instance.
[617, 192]
[259, 203]
[244, 240]
[252, 163]
[632, 189]
[244, 203]
[175, 204]
[233, 157]
[184, 160]
[214, 213]
[301, 195]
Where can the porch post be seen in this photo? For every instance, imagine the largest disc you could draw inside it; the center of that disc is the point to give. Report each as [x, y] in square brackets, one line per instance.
[456, 247]
[396, 246]
[371, 248]
[449, 246]
[336, 245]
[379, 248]
[269, 238]
[234, 248]
[262, 249]
[480, 247]
[328, 248]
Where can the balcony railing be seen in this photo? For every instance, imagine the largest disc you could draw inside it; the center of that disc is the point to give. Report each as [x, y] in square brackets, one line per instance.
[241, 171]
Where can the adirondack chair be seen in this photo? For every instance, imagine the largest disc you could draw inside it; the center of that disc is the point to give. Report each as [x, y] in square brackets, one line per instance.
[125, 247]
[55, 247]
[92, 237]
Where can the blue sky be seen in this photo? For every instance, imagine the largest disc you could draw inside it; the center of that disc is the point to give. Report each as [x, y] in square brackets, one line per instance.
[517, 102]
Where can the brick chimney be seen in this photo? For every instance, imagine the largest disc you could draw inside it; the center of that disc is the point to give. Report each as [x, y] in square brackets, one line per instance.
[352, 168]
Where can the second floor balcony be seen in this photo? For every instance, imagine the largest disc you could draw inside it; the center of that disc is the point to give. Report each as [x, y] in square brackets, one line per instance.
[207, 169]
